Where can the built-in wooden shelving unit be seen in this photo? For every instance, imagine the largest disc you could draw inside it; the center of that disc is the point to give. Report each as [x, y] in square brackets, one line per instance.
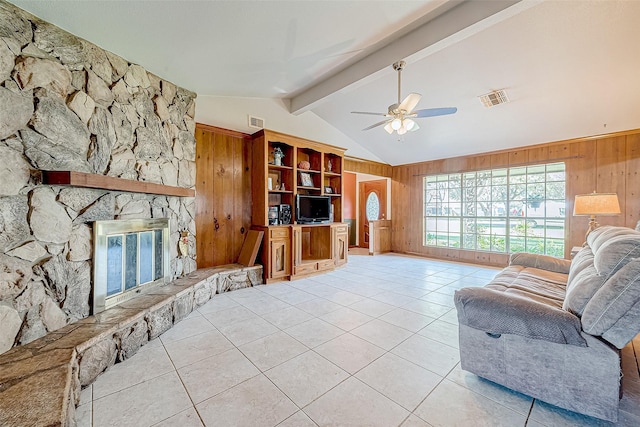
[291, 250]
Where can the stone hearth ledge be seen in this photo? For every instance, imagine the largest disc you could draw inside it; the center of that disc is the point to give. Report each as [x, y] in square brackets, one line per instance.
[40, 382]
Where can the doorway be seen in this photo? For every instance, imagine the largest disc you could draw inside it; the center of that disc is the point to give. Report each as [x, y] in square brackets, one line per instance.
[373, 206]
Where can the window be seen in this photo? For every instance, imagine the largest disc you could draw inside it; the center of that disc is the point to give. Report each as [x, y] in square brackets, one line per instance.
[519, 209]
[373, 207]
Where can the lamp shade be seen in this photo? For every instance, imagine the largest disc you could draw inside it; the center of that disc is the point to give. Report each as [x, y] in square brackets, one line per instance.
[596, 204]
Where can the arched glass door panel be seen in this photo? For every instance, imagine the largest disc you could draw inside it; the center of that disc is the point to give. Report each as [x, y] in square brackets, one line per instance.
[373, 207]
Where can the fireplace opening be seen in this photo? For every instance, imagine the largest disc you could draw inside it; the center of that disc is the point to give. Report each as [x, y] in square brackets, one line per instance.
[128, 256]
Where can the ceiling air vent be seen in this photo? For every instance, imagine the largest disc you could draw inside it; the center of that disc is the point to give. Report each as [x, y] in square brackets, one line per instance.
[494, 98]
[256, 122]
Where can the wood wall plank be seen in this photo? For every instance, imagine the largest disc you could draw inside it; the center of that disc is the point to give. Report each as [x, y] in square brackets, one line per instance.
[559, 151]
[356, 165]
[223, 203]
[499, 160]
[580, 179]
[483, 162]
[632, 184]
[518, 157]
[537, 154]
[611, 173]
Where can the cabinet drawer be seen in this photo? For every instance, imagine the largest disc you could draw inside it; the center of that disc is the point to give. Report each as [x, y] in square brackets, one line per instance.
[306, 268]
[279, 233]
[342, 229]
[327, 263]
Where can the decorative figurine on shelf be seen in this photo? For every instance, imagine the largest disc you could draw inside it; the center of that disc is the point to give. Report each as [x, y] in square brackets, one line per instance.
[329, 166]
[183, 243]
[278, 155]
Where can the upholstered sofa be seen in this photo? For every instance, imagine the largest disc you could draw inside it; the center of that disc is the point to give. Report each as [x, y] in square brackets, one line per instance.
[553, 328]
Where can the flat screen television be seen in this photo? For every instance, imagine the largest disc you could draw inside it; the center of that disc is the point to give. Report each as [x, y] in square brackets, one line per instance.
[312, 209]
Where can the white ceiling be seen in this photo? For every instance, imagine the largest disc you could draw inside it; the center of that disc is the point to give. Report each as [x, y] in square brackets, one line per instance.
[570, 68]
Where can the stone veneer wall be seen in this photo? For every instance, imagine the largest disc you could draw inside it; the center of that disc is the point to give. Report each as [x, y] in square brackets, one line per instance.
[66, 104]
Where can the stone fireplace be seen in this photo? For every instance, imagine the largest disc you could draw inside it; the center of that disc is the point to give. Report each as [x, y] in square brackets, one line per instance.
[68, 105]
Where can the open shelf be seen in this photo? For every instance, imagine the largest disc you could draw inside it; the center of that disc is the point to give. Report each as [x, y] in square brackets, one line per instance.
[319, 164]
[281, 168]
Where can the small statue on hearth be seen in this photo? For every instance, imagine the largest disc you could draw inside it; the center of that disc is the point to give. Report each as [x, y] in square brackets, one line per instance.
[183, 243]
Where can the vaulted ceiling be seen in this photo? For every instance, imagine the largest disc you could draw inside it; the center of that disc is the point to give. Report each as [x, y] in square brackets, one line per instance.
[570, 68]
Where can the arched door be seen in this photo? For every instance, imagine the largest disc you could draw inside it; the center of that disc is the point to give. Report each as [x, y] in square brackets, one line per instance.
[373, 206]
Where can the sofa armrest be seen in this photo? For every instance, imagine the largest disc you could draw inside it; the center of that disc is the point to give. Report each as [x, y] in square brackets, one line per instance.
[543, 262]
[497, 312]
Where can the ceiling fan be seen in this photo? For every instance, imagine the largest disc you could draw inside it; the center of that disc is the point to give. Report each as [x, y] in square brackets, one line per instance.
[400, 116]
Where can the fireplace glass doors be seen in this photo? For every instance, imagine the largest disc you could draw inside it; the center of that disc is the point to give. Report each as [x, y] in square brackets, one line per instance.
[129, 255]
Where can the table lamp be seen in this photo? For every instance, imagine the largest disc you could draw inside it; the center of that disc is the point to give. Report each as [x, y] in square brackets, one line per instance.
[595, 204]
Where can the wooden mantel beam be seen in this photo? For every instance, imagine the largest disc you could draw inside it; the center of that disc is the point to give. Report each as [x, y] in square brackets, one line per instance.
[89, 180]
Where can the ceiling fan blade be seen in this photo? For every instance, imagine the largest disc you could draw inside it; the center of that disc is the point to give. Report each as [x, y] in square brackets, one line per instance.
[366, 112]
[410, 102]
[376, 125]
[431, 112]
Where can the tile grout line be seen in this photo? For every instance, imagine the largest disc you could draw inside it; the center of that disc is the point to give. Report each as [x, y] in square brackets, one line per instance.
[193, 405]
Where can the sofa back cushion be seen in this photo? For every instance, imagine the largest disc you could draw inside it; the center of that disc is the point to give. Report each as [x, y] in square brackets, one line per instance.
[612, 312]
[604, 281]
[582, 283]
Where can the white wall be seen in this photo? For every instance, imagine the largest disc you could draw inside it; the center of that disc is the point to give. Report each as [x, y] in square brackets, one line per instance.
[231, 113]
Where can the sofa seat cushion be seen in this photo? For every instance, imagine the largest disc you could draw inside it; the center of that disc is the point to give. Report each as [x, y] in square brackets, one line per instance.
[532, 283]
[543, 262]
[498, 313]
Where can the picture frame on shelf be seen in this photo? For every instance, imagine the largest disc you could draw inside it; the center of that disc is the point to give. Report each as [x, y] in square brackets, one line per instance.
[305, 179]
[273, 181]
[328, 190]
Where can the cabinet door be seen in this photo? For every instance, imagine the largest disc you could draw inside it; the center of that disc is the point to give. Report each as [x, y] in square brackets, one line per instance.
[340, 246]
[280, 258]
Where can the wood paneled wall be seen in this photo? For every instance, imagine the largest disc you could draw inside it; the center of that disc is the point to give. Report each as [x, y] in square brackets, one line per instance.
[355, 164]
[606, 163]
[223, 194]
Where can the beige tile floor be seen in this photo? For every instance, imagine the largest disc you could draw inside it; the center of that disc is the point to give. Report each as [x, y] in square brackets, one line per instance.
[372, 344]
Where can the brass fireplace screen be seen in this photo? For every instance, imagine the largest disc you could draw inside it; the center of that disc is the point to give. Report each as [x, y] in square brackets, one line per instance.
[128, 256]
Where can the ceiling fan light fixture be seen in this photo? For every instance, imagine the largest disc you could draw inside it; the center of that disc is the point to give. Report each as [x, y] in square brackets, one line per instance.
[409, 124]
[399, 116]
